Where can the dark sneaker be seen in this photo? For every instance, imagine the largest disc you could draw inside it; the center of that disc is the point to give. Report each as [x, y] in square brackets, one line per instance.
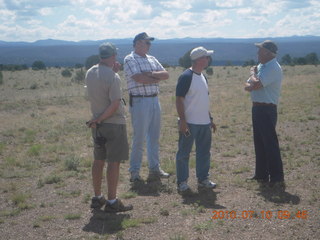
[135, 177]
[97, 202]
[206, 184]
[158, 174]
[117, 206]
[280, 185]
[183, 187]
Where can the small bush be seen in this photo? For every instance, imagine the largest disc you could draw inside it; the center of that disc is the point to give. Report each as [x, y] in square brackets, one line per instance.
[72, 164]
[79, 77]
[38, 65]
[19, 198]
[52, 179]
[34, 86]
[209, 71]
[66, 73]
[35, 150]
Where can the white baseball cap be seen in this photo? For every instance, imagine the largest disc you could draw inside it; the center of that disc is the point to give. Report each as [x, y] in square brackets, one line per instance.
[200, 52]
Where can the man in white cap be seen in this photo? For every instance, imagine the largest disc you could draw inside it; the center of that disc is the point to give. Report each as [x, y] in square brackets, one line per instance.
[264, 86]
[195, 124]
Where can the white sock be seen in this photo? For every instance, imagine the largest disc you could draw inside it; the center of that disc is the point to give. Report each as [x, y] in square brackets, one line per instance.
[99, 196]
[112, 201]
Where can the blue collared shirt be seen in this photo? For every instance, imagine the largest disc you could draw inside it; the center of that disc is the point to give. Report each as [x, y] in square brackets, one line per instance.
[270, 75]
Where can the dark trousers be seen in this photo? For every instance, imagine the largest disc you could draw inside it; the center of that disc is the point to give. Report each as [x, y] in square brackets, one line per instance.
[268, 158]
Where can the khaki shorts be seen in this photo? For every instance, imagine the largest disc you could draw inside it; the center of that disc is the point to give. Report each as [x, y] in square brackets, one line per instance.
[110, 142]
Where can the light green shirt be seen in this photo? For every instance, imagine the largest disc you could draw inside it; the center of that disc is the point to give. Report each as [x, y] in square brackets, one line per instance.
[270, 75]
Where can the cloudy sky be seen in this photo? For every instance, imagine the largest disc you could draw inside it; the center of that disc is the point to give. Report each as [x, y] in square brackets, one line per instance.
[31, 20]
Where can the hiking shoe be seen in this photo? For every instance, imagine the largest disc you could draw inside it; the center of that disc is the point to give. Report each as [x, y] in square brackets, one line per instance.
[97, 202]
[279, 185]
[183, 187]
[135, 177]
[117, 206]
[158, 174]
[206, 184]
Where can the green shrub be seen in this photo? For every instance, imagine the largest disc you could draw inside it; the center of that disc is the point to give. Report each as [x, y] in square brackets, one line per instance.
[80, 75]
[66, 73]
[38, 65]
[34, 86]
[72, 164]
[209, 71]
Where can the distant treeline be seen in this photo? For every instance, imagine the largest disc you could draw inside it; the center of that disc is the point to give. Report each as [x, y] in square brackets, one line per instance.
[13, 67]
[309, 59]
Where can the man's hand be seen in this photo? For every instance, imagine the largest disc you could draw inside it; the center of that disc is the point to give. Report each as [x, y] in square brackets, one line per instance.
[116, 67]
[183, 126]
[91, 124]
[213, 126]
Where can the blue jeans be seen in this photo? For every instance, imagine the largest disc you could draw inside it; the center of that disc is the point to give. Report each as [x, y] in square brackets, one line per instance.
[146, 122]
[201, 134]
[268, 158]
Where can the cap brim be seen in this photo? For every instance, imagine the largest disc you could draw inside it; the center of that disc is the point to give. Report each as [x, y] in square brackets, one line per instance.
[150, 38]
[258, 45]
[210, 52]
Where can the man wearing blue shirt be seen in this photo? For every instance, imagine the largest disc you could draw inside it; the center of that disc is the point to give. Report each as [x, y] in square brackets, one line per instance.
[264, 85]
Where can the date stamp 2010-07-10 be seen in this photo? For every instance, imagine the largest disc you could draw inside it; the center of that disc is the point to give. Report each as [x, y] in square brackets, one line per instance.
[249, 214]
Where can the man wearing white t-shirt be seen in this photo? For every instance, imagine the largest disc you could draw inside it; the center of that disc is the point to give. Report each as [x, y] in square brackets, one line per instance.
[192, 103]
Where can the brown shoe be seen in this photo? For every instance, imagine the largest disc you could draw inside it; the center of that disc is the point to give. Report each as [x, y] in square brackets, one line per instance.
[117, 206]
[97, 202]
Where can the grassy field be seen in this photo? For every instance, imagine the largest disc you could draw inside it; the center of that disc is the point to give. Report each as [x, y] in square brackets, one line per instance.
[46, 156]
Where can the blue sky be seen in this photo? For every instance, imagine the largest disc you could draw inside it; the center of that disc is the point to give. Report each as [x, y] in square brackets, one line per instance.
[76, 20]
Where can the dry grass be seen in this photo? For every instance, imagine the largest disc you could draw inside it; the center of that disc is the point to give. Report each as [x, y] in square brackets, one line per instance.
[46, 154]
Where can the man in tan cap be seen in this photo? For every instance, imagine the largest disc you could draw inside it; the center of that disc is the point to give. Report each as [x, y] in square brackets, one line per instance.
[195, 124]
[264, 86]
[108, 127]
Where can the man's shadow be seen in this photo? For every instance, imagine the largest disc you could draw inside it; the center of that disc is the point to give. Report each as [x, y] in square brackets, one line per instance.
[277, 195]
[204, 197]
[105, 223]
[151, 187]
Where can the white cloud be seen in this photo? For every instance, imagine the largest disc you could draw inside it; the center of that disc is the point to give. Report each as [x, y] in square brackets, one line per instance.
[95, 19]
[229, 3]
[45, 11]
[180, 5]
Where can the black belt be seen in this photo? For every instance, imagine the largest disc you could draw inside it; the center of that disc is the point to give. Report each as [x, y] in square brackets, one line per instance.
[263, 104]
[140, 96]
[152, 95]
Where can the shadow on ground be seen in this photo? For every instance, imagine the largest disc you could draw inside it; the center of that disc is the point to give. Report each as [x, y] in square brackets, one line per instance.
[277, 195]
[105, 223]
[152, 187]
[204, 197]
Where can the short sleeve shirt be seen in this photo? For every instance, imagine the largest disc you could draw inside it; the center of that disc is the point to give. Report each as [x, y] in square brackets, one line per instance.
[270, 75]
[104, 87]
[194, 88]
[136, 64]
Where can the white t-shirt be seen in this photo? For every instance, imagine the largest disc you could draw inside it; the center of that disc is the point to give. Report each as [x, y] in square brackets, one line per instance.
[196, 97]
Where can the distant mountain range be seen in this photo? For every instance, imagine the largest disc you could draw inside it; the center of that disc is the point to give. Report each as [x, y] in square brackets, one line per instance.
[227, 50]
